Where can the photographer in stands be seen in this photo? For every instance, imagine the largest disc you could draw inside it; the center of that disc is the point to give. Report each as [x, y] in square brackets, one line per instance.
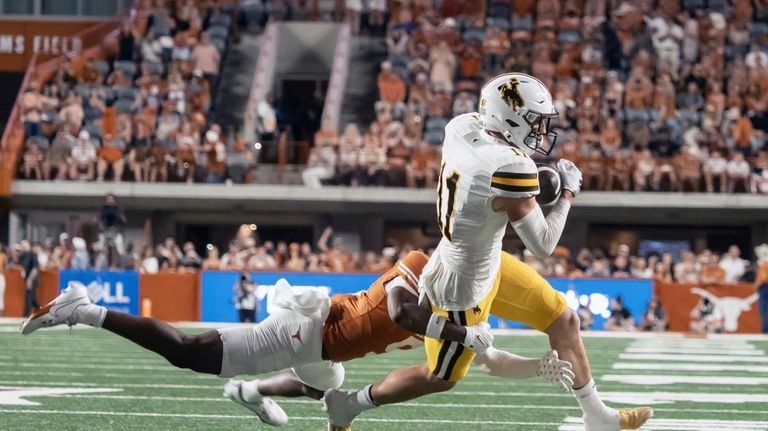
[245, 298]
[111, 224]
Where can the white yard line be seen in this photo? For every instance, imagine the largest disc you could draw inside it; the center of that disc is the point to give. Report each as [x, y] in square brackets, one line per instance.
[695, 351]
[251, 417]
[639, 379]
[689, 367]
[692, 358]
[536, 406]
[576, 424]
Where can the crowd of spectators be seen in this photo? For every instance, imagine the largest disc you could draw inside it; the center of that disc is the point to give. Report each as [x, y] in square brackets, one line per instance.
[652, 95]
[330, 254]
[142, 115]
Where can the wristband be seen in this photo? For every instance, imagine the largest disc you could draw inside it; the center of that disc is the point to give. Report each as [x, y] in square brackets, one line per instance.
[435, 326]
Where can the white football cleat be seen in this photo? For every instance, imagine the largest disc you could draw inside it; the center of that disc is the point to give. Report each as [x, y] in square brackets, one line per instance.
[265, 408]
[59, 311]
[337, 405]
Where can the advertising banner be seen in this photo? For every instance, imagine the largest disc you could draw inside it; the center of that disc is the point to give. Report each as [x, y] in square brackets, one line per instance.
[733, 307]
[217, 292]
[116, 290]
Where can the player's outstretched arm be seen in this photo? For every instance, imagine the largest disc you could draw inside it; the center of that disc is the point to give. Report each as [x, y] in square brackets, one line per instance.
[550, 367]
[405, 311]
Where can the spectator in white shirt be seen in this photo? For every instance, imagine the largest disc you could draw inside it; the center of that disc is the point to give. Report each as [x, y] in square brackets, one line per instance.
[756, 57]
[738, 171]
[733, 265]
[320, 166]
[83, 158]
[714, 168]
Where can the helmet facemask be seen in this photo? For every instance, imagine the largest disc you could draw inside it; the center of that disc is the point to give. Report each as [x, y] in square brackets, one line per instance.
[540, 139]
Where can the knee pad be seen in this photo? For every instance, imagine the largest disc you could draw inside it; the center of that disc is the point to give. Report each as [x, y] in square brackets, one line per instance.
[321, 375]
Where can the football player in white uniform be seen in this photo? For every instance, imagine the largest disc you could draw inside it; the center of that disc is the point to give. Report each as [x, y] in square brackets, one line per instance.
[487, 180]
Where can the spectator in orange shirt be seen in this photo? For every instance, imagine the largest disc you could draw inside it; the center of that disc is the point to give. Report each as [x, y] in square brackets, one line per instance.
[711, 273]
[742, 134]
[391, 87]
[217, 156]
[110, 156]
[421, 168]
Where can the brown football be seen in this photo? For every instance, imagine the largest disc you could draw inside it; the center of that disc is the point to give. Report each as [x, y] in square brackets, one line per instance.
[549, 185]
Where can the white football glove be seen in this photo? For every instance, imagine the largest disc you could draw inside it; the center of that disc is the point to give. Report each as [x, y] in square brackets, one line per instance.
[556, 371]
[479, 337]
[570, 175]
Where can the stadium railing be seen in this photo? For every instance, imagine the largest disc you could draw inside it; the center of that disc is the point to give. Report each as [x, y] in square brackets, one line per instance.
[97, 41]
[262, 79]
[334, 96]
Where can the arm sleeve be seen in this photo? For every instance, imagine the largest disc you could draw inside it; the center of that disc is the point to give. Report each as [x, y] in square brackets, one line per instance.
[518, 179]
[539, 234]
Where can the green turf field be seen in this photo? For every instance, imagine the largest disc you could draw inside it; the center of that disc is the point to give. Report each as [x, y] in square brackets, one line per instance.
[110, 384]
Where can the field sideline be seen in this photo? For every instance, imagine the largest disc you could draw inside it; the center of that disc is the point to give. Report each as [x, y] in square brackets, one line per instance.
[92, 380]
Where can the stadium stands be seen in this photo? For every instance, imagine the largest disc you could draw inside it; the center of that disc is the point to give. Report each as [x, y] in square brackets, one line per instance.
[327, 255]
[645, 100]
[146, 109]
[658, 112]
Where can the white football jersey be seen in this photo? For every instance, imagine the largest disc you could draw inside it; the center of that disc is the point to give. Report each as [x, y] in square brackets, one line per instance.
[476, 168]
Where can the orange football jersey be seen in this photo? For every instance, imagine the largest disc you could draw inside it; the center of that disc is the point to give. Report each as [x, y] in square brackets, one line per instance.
[360, 324]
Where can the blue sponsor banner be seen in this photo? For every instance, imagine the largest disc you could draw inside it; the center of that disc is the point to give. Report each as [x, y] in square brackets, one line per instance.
[218, 293]
[598, 293]
[217, 289]
[116, 290]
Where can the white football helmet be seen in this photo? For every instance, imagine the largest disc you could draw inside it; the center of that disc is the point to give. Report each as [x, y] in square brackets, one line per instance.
[519, 107]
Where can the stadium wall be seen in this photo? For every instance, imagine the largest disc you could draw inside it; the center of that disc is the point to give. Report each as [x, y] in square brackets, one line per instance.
[209, 296]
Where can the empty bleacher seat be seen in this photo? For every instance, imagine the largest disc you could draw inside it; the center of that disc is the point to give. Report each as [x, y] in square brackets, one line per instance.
[436, 123]
[220, 19]
[218, 31]
[220, 44]
[151, 68]
[126, 93]
[124, 106]
[499, 10]
[128, 67]
[100, 65]
[473, 34]
[502, 23]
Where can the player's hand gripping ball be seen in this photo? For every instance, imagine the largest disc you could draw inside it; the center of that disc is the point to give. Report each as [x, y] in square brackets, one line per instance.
[549, 185]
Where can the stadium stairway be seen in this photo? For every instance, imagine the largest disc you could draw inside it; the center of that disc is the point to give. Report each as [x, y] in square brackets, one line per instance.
[235, 81]
[366, 55]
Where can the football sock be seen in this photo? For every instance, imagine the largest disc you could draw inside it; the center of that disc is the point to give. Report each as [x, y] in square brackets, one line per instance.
[591, 404]
[362, 400]
[91, 314]
[249, 390]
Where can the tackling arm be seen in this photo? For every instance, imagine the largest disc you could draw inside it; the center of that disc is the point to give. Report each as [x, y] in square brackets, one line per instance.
[405, 311]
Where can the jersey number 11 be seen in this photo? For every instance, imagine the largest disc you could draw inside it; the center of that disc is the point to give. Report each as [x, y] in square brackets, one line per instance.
[446, 193]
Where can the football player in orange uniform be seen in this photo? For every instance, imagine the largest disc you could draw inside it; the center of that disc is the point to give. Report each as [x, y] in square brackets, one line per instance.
[310, 335]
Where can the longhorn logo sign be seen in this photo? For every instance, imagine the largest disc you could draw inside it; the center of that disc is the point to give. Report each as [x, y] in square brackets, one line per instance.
[730, 307]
